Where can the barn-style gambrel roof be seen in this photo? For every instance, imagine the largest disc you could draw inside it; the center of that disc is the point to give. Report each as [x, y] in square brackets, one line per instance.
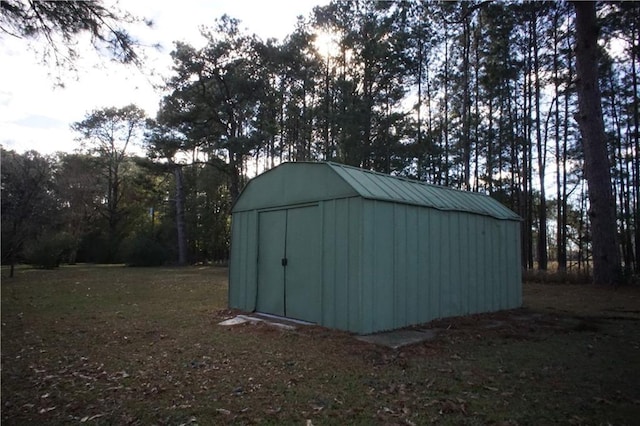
[308, 182]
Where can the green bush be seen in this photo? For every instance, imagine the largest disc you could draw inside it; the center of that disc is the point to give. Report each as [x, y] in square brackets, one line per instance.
[144, 251]
[48, 250]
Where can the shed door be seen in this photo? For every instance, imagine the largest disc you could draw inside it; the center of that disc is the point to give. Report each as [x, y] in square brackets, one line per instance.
[272, 228]
[289, 263]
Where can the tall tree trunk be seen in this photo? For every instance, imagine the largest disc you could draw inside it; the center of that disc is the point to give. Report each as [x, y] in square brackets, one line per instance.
[606, 259]
[636, 143]
[476, 102]
[565, 138]
[466, 99]
[527, 166]
[114, 213]
[420, 150]
[490, 144]
[181, 223]
[446, 106]
[561, 255]
[582, 235]
[621, 191]
[542, 151]
[325, 131]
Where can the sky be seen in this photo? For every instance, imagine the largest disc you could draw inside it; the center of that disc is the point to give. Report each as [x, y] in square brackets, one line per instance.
[36, 114]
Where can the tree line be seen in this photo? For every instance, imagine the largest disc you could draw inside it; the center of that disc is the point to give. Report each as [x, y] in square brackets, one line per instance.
[479, 96]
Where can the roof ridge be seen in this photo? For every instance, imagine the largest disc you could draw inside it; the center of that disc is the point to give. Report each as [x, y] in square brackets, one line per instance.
[387, 187]
[403, 178]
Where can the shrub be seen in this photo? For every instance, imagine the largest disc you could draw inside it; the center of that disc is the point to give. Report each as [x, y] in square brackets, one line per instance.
[144, 251]
[48, 250]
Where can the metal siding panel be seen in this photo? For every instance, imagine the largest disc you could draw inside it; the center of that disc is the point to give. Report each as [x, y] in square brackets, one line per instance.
[321, 253]
[504, 269]
[474, 264]
[342, 221]
[425, 282]
[485, 300]
[495, 268]
[463, 262]
[399, 265]
[491, 270]
[242, 264]
[303, 292]
[251, 260]
[486, 254]
[500, 259]
[446, 291]
[481, 264]
[491, 283]
[489, 277]
[363, 322]
[510, 289]
[329, 293]
[342, 261]
[354, 299]
[453, 263]
[412, 301]
[236, 284]
[436, 231]
[383, 284]
[471, 278]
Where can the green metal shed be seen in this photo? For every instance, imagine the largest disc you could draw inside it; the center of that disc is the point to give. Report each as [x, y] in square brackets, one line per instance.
[362, 251]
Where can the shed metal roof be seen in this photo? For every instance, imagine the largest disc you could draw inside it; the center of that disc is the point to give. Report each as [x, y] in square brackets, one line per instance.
[379, 186]
[306, 182]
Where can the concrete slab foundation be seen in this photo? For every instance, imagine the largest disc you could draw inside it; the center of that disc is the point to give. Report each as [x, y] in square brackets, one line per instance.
[241, 319]
[398, 338]
[393, 339]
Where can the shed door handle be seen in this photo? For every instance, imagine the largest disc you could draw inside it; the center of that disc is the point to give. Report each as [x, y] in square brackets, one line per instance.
[284, 261]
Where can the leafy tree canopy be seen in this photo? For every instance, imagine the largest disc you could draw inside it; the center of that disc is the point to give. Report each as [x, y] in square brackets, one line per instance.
[61, 23]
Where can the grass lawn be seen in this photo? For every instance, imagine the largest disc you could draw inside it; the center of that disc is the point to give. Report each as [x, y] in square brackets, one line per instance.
[116, 345]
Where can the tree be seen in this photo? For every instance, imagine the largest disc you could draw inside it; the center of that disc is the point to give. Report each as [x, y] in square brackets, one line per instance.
[216, 93]
[556, 36]
[60, 23]
[620, 25]
[606, 258]
[107, 135]
[163, 145]
[79, 193]
[28, 203]
[369, 86]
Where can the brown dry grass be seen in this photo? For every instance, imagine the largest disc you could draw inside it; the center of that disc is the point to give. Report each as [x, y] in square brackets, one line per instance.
[583, 299]
[115, 345]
